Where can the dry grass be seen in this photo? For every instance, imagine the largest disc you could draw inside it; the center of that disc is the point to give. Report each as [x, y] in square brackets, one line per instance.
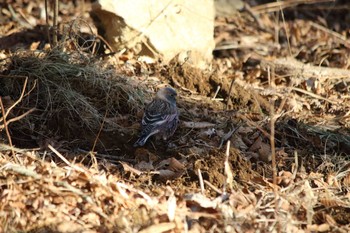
[70, 91]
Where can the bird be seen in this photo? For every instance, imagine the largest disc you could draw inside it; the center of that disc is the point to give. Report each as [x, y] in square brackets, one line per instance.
[161, 116]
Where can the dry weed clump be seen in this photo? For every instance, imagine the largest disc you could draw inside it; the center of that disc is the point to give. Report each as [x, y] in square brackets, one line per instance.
[69, 92]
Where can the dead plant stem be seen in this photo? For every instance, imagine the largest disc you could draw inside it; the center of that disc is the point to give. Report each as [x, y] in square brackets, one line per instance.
[19, 99]
[201, 183]
[7, 130]
[55, 27]
[47, 22]
[21, 116]
[5, 115]
[273, 116]
[99, 132]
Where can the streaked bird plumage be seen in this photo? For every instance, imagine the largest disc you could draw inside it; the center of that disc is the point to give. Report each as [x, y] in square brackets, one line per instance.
[161, 116]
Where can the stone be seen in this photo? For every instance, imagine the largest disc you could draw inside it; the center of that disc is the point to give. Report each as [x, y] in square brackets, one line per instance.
[166, 29]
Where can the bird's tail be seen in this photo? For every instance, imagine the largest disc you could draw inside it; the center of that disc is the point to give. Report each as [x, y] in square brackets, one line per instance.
[143, 138]
[140, 142]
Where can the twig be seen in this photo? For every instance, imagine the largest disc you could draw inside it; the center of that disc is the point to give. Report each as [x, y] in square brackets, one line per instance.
[273, 147]
[47, 22]
[273, 151]
[213, 187]
[109, 157]
[254, 15]
[59, 155]
[22, 170]
[279, 5]
[295, 171]
[99, 132]
[228, 135]
[313, 95]
[106, 42]
[95, 142]
[286, 31]
[5, 147]
[65, 160]
[3, 118]
[272, 143]
[15, 18]
[229, 93]
[197, 125]
[216, 93]
[74, 190]
[20, 116]
[5, 115]
[341, 39]
[201, 183]
[55, 27]
[252, 123]
[7, 130]
[18, 100]
[26, 22]
[228, 171]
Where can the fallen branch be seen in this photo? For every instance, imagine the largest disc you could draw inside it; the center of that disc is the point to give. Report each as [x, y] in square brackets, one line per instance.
[197, 125]
[280, 5]
[314, 95]
[296, 68]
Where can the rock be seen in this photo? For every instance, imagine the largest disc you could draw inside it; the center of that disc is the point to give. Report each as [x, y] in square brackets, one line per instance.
[226, 8]
[159, 28]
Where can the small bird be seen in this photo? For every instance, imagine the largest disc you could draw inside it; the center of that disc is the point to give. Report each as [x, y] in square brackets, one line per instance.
[160, 117]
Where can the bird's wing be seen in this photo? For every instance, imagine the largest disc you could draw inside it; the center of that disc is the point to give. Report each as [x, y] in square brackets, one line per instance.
[159, 116]
[158, 112]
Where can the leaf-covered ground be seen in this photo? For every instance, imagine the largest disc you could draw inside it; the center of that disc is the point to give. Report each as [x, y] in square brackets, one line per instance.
[278, 87]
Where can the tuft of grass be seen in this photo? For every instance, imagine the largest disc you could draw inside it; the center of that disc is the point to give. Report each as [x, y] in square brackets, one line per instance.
[71, 92]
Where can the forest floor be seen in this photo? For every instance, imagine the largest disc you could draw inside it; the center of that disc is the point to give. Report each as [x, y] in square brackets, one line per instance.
[276, 98]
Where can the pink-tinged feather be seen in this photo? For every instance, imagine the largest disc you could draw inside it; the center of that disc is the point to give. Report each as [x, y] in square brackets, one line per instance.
[161, 116]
